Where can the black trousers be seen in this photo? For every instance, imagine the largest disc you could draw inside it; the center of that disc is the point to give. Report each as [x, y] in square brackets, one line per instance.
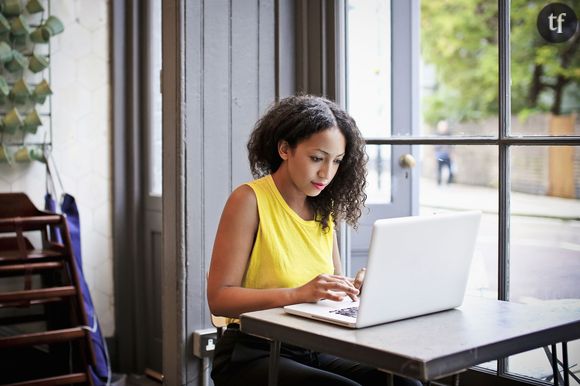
[444, 162]
[241, 359]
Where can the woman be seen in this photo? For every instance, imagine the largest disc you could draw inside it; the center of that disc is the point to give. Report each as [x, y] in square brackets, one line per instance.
[276, 242]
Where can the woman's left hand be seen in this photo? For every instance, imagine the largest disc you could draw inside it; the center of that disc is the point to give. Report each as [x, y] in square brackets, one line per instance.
[359, 278]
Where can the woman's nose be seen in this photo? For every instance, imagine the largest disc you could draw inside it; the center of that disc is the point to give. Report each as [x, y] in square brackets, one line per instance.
[324, 171]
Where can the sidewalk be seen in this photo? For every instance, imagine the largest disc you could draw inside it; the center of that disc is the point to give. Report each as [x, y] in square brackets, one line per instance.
[458, 196]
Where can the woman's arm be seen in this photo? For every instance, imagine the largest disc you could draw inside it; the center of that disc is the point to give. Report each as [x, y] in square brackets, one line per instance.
[231, 252]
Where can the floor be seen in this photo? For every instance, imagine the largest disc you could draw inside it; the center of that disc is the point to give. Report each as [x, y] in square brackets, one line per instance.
[140, 380]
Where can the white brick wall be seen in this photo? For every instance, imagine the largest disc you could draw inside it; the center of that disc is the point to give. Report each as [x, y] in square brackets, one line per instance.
[81, 126]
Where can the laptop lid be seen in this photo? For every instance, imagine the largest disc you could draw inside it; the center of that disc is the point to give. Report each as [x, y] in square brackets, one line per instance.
[417, 265]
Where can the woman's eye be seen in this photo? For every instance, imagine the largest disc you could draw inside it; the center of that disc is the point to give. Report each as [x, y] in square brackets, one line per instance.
[337, 161]
[316, 159]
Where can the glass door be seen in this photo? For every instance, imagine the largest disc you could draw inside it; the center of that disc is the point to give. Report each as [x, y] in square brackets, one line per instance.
[372, 98]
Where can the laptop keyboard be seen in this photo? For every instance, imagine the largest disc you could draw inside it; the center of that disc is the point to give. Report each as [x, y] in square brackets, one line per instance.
[350, 312]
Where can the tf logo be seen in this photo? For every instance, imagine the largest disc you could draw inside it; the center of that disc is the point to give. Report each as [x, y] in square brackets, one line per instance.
[557, 23]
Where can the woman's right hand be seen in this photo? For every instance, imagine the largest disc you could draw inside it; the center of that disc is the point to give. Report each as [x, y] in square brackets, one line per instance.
[324, 286]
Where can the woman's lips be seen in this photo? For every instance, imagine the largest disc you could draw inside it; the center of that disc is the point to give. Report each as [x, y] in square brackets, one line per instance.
[319, 186]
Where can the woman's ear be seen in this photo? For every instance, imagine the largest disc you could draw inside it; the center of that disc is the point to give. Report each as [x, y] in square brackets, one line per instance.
[283, 149]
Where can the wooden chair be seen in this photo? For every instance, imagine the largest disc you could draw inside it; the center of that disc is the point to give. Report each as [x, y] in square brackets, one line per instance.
[220, 323]
[45, 317]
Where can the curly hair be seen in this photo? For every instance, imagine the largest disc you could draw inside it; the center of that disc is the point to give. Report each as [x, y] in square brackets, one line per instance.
[296, 118]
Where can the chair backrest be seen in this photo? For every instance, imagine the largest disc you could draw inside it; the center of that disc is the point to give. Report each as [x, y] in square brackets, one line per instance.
[219, 321]
[17, 205]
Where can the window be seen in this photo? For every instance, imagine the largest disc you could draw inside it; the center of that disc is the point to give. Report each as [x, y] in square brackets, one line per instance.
[517, 159]
[369, 86]
[154, 134]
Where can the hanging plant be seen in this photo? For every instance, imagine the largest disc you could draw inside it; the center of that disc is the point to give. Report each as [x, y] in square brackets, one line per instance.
[26, 29]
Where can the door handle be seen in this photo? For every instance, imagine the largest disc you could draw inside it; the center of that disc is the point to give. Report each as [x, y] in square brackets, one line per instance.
[407, 161]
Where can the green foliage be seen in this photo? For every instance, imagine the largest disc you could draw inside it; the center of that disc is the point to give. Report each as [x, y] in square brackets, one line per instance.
[460, 39]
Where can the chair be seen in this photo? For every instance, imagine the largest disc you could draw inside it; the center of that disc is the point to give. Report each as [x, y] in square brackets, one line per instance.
[43, 334]
[220, 323]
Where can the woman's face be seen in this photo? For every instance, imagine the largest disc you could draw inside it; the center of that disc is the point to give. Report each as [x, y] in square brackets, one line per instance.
[313, 163]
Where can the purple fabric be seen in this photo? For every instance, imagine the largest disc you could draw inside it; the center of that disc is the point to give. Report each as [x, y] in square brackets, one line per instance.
[100, 370]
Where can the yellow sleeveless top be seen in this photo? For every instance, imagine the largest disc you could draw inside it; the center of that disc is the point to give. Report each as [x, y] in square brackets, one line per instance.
[288, 251]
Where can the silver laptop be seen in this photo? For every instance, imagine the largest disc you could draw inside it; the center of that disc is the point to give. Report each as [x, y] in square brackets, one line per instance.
[416, 266]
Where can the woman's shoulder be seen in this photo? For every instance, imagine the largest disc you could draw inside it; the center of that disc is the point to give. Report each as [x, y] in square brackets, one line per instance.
[251, 194]
[241, 207]
[260, 183]
[243, 195]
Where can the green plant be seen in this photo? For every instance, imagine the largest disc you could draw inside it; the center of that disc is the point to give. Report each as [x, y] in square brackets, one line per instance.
[460, 38]
[25, 27]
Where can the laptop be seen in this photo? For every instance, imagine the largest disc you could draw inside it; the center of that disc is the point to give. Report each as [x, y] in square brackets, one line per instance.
[416, 266]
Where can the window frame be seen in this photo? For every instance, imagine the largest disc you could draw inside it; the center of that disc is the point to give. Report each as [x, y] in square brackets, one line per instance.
[504, 141]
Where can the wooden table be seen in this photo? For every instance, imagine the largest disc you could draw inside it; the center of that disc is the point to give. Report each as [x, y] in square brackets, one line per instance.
[427, 347]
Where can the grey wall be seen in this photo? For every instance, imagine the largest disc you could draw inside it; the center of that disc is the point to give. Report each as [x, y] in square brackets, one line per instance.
[220, 71]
